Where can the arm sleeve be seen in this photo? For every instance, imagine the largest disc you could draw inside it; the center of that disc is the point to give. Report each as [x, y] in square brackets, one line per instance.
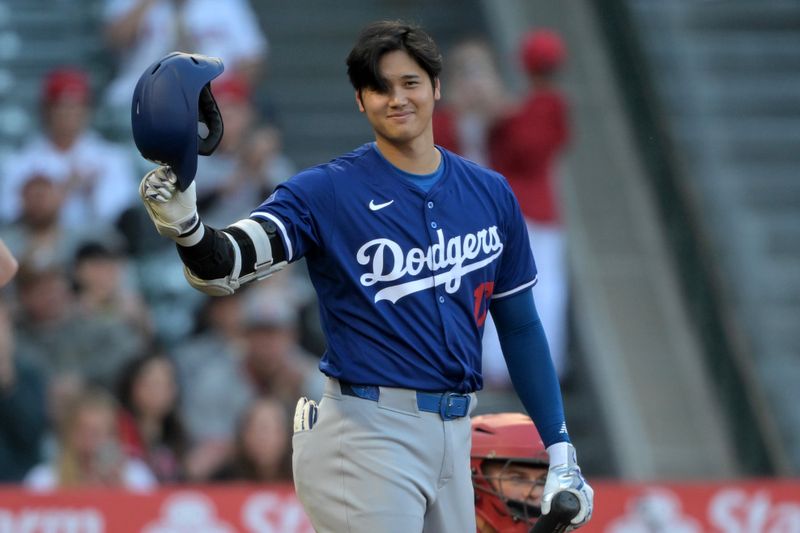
[527, 356]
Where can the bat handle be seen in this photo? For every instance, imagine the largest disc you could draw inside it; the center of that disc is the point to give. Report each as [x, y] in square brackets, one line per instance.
[564, 508]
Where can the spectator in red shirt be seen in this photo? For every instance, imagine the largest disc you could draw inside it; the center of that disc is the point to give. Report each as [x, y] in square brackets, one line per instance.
[524, 146]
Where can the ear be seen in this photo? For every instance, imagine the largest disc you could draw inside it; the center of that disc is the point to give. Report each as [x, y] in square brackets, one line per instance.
[437, 89]
[358, 101]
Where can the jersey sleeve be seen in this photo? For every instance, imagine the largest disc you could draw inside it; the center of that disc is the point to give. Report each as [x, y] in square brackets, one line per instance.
[517, 269]
[302, 209]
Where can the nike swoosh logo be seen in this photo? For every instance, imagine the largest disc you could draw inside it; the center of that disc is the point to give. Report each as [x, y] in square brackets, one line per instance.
[375, 207]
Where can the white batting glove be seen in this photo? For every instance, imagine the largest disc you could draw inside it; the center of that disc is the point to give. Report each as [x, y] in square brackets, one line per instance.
[305, 414]
[173, 212]
[565, 475]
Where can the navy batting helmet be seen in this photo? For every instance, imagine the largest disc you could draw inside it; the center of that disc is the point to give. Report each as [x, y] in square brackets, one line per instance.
[172, 96]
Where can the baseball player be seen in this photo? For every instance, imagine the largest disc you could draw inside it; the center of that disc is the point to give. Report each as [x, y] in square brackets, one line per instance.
[408, 246]
[509, 470]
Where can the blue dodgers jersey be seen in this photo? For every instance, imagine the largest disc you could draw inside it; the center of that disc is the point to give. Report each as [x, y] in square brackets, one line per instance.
[403, 277]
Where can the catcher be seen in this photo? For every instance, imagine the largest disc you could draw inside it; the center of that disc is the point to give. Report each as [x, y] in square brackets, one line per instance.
[509, 465]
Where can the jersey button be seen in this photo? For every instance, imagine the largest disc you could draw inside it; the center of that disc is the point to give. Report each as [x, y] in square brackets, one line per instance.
[430, 205]
[434, 225]
[441, 299]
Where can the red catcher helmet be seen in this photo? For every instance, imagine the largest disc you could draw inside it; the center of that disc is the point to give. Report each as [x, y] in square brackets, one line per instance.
[542, 51]
[509, 437]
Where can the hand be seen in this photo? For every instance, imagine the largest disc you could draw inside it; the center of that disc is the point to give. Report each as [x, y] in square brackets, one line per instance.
[565, 475]
[173, 212]
[261, 146]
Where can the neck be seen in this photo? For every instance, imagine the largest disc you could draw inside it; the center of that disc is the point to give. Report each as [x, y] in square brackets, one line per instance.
[43, 232]
[267, 471]
[150, 429]
[64, 142]
[541, 82]
[420, 156]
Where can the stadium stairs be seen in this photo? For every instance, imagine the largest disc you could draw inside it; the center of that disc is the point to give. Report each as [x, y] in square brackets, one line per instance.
[35, 36]
[641, 345]
[725, 85]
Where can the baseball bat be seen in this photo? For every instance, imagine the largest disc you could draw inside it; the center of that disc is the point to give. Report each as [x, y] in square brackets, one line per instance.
[563, 509]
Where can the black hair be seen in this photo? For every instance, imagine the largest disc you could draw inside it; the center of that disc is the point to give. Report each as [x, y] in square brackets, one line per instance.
[379, 38]
[174, 434]
[96, 250]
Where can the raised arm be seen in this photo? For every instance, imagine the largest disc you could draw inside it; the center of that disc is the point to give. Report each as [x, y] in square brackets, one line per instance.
[8, 264]
[216, 262]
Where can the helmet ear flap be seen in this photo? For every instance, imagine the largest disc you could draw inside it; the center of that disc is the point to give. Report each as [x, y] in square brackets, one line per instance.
[208, 114]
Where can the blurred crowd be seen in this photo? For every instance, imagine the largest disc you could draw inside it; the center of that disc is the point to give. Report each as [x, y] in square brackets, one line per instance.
[113, 370]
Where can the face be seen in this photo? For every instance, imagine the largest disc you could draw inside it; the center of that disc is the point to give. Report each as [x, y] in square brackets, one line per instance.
[225, 315]
[265, 436]
[67, 118]
[154, 391]
[47, 299]
[100, 275]
[41, 202]
[516, 481]
[269, 348]
[403, 113]
[62, 390]
[475, 85]
[238, 117]
[93, 428]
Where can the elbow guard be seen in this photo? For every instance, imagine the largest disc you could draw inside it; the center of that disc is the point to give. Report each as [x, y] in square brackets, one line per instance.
[253, 258]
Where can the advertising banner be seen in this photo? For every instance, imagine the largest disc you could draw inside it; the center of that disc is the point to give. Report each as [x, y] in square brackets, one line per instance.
[736, 507]
[753, 506]
[185, 510]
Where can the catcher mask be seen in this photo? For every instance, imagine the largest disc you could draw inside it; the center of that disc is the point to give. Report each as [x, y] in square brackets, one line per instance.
[504, 439]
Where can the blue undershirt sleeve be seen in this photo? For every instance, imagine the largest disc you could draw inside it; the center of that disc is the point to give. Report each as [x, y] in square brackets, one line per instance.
[527, 356]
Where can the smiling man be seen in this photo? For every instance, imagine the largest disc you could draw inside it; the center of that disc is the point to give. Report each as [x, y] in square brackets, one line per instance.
[408, 247]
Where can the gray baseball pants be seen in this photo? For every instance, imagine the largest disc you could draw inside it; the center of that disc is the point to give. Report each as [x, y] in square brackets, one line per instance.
[384, 467]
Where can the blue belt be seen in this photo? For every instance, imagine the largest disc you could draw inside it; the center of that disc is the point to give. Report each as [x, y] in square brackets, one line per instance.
[449, 405]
